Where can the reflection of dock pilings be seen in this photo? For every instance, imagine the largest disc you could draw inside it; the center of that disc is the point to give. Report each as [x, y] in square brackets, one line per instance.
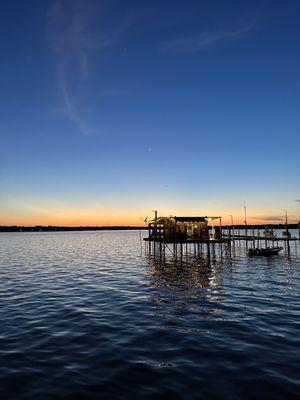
[184, 275]
[181, 272]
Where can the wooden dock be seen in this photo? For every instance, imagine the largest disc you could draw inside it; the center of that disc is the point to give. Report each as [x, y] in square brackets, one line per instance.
[261, 238]
[191, 241]
[183, 235]
[159, 246]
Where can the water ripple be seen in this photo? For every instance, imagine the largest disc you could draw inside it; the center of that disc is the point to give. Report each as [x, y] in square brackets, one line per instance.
[87, 315]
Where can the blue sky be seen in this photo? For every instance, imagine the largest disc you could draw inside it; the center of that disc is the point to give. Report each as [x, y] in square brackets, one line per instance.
[110, 109]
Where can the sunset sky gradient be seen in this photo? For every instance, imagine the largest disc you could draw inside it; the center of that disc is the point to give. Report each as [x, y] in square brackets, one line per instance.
[110, 109]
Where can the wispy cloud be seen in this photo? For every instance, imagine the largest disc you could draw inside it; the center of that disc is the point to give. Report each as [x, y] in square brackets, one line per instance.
[75, 30]
[274, 218]
[297, 200]
[269, 218]
[71, 111]
[206, 40]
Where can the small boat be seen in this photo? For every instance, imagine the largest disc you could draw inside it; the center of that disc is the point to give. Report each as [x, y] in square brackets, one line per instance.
[268, 251]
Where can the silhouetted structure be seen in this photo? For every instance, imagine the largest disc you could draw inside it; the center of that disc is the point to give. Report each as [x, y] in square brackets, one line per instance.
[184, 232]
[183, 235]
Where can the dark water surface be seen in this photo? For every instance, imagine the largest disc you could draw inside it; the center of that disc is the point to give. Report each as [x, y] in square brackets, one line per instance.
[87, 315]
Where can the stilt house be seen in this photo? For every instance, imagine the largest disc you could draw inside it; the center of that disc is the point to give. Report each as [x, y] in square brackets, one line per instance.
[179, 229]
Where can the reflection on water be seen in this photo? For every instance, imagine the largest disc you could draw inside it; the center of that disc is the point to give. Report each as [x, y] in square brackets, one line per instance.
[87, 314]
[177, 279]
[186, 274]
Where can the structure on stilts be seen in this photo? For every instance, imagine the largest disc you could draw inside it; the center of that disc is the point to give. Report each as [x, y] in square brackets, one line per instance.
[200, 236]
[185, 235]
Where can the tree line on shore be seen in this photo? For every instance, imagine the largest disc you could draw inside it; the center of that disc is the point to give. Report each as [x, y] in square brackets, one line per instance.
[52, 228]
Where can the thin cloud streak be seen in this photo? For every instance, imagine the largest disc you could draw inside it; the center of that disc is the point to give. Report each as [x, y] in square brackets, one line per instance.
[268, 218]
[274, 218]
[69, 37]
[205, 40]
[75, 29]
[72, 113]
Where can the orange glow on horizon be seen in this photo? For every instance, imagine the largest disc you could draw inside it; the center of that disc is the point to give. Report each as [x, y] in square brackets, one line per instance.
[86, 219]
[71, 221]
[93, 213]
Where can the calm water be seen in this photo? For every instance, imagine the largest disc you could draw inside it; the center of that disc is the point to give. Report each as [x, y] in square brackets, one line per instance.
[87, 315]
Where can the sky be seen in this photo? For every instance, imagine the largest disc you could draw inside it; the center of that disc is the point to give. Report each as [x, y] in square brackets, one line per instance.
[113, 109]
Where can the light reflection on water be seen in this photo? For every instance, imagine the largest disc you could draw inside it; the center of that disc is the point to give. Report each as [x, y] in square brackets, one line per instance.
[88, 313]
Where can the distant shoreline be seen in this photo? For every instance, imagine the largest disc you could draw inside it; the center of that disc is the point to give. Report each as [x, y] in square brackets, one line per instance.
[52, 228]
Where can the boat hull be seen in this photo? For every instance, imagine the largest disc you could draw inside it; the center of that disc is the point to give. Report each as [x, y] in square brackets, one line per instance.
[271, 251]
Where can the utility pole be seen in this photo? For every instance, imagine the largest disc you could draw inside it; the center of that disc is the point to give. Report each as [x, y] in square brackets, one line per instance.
[245, 216]
[155, 226]
[232, 227]
[286, 224]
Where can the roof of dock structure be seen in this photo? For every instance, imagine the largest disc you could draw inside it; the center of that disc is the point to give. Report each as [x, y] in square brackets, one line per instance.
[161, 219]
[190, 219]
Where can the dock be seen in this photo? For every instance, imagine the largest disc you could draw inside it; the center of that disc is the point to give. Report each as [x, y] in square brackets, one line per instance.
[181, 235]
[200, 236]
